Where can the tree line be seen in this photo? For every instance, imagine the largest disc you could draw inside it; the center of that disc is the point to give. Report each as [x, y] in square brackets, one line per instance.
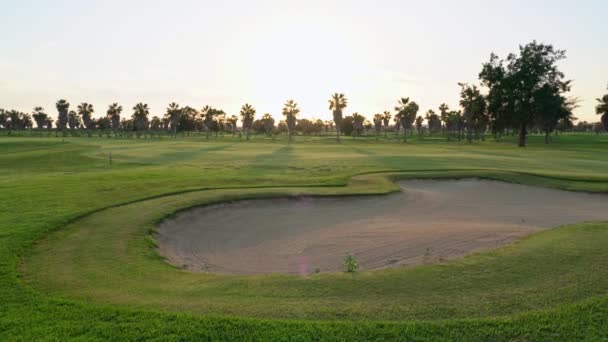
[522, 93]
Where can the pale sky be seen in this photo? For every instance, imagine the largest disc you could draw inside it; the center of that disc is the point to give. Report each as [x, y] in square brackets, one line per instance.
[227, 53]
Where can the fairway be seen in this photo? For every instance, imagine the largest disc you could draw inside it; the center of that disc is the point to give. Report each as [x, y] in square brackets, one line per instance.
[78, 245]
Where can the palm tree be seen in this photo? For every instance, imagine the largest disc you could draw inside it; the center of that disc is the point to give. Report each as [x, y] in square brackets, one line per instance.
[337, 103]
[602, 109]
[443, 111]
[406, 114]
[268, 122]
[474, 108]
[49, 123]
[63, 108]
[378, 118]
[73, 120]
[291, 111]
[40, 117]
[174, 113]
[113, 113]
[247, 116]
[419, 121]
[140, 117]
[232, 121]
[386, 118]
[85, 110]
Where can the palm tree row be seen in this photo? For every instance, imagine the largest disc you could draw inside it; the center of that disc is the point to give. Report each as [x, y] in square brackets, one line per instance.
[476, 119]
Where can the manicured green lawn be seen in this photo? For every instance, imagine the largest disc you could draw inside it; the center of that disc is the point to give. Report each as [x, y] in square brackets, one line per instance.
[99, 277]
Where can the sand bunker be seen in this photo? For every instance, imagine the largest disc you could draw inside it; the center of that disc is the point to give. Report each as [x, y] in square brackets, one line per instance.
[428, 221]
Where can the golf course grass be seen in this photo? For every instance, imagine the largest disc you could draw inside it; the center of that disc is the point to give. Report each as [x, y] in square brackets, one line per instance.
[77, 258]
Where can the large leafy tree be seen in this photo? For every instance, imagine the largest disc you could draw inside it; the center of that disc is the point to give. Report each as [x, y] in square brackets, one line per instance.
[554, 110]
[63, 108]
[290, 111]
[406, 114]
[140, 118]
[173, 114]
[40, 117]
[517, 84]
[602, 109]
[113, 113]
[247, 117]
[337, 103]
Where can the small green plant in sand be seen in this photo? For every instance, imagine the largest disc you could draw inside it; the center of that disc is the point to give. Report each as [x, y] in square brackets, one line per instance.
[350, 264]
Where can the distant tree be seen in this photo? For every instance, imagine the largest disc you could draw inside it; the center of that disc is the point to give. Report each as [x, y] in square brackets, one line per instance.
[515, 85]
[474, 108]
[63, 107]
[328, 125]
[156, 124]
[247, 117]
[306, 126]
[602, 109]
[103, 124]
[453, 124]
[358, 121]
[348, 125]
[337, 103]
[16, 120]
[127, 125]
[3, 118]
[188, 118]
[419, 121]
[209, 116]
[386, 120]
[268, 123]
[40, 117]
[290, 111]
[220, 122]
[85, 110]
[113, 113]
[443, 113]
[49, 123]
[140, 118]
[434, 121]
[406, 113]
[598, 127]
[173, 114]
[378, 118]
[232, 121]
[282, 127]
[73, 120]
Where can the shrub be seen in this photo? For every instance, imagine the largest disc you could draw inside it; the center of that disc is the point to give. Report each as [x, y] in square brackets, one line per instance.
[350, 264]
